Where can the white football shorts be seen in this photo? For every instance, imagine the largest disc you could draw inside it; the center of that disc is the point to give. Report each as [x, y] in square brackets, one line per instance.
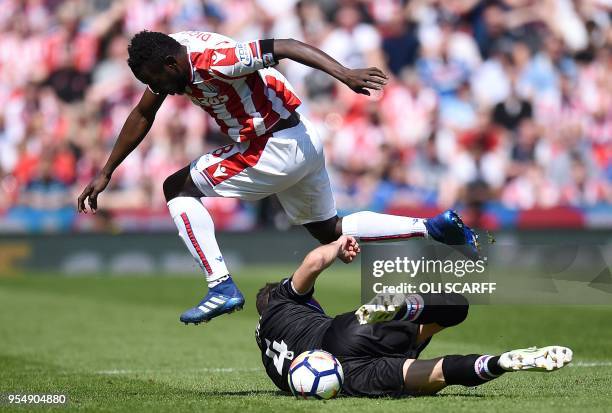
[289, 163]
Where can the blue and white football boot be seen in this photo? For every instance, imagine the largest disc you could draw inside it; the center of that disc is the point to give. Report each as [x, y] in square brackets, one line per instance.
[221, 299]
[449, 229]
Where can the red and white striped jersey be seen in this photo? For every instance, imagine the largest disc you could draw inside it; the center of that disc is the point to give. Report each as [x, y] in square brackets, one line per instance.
[235, 84]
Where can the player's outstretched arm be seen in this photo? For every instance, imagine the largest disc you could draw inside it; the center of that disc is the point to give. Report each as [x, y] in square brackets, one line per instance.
[345, 248]
[134, 130]
[359, 80]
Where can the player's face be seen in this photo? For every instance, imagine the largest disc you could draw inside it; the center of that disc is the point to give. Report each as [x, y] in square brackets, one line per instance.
[168, 80]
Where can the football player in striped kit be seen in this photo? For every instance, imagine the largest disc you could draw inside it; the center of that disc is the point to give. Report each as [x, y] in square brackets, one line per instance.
[275, 150]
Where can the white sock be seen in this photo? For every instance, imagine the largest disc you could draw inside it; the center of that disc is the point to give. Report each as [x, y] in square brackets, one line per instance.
[197, 230]
[371, 226]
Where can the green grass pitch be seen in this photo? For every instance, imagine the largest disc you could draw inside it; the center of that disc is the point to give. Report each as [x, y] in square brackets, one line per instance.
[115, 344]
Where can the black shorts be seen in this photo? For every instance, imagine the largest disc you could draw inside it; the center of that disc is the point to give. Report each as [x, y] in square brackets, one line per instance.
[372, 356]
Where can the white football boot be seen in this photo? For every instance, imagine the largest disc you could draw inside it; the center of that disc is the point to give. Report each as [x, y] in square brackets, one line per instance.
[375, 313]
[380, 309]
[545, 359]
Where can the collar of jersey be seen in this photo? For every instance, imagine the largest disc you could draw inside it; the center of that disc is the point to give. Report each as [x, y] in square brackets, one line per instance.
[195, 76]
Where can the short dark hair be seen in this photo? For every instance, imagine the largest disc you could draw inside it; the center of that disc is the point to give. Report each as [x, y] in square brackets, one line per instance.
[150, 49]
[263, 296]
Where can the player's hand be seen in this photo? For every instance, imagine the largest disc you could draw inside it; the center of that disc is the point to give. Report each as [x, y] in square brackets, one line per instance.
[91, 192]
[348, 248]
[360, 80]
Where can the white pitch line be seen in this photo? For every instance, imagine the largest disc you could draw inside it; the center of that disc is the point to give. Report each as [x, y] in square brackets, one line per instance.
[591, 364]
[202, 370]
[241, 370]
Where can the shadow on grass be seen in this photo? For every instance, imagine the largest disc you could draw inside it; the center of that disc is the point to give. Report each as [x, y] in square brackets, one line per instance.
[409, 396]
[278, 393]
[243, 393]
[466, 395]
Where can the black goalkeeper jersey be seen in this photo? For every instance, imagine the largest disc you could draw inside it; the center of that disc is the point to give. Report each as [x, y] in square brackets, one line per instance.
[290, 325]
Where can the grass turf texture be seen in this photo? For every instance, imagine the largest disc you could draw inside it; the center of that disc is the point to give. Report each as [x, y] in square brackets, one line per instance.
[115, 344]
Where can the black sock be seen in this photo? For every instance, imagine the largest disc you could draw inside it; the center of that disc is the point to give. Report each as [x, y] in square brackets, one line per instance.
[494, 368]
[446, 310]
[470, 370]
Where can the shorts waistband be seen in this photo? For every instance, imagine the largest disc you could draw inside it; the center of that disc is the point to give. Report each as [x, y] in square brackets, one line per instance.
[290, 122]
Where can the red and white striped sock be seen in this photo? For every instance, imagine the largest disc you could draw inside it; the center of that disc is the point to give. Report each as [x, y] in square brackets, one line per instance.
[371, 226]
[197, 230]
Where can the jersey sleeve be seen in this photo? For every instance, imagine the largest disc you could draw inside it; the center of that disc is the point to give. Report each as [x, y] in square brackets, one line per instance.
[239, 60]
[286, 291]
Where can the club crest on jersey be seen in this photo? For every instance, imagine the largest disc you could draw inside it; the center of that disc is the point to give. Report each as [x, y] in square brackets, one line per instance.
[243, 53]
[217, 57]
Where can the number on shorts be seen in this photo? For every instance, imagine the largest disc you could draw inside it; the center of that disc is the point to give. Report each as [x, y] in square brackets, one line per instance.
[224, 149]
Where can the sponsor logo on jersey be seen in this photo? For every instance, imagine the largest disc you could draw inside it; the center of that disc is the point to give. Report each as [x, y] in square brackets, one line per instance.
[243, 52]
[210, 100]
[204, 36]
[209, 89]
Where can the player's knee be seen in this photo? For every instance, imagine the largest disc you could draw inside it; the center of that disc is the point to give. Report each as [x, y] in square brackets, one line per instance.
[454, 311]
[324, 231]
[179, 184]
[170, 187]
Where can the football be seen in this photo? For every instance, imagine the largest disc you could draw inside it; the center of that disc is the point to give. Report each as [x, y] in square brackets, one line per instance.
[315, 374]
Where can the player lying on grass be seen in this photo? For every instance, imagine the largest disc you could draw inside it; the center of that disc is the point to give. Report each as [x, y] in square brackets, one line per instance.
[378, 357]
[275, 149]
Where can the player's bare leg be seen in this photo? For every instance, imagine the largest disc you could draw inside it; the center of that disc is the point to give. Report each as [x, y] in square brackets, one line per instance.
[427, 331]
[447, 228]
[197, 231]
[423, 377]
[426, 377]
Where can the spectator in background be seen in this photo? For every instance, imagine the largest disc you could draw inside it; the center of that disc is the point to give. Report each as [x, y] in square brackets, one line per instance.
[540, 77]
[354, 42]
[523, 152]
[441, 71]
[532, 189]
[583, 188]
[456, 114]
[409, 109]
[44, 203]
[510, 112]
[400, 43]
[480, 158]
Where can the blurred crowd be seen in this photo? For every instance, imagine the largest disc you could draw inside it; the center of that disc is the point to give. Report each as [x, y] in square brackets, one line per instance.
[503, 102]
